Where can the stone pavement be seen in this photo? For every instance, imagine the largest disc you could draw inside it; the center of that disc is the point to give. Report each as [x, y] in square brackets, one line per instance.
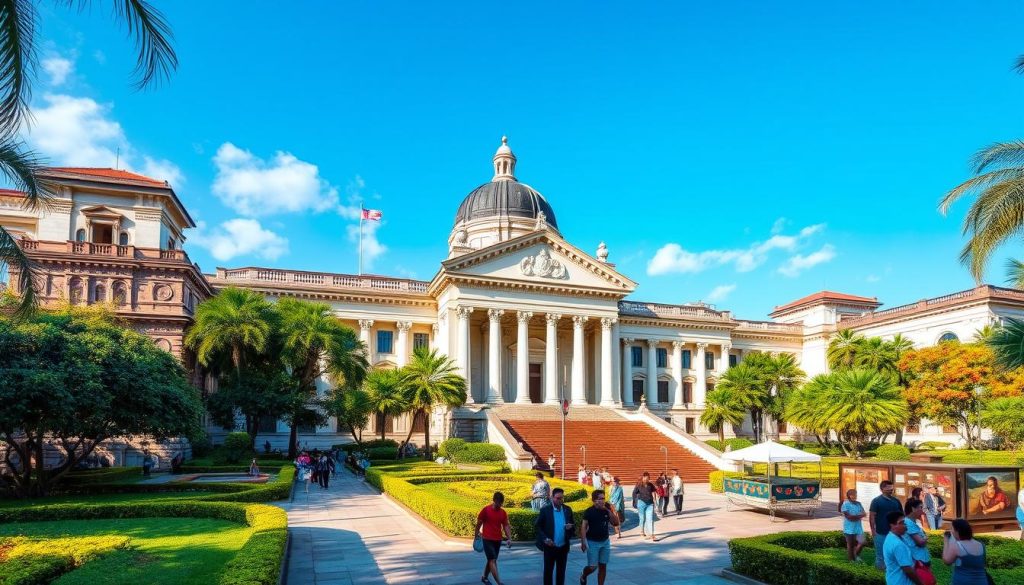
[350, 534]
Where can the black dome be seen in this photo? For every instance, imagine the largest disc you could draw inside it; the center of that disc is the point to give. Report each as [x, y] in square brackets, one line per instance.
[504, 198]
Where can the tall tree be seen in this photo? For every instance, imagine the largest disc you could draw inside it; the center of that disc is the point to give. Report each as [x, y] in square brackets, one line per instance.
[721, 406]
[1007, 344]
[876, 354]
[315, 344]
[236, 324]
[843, 349]
[1005, 416]
[19, 27]
[431, 379]
[386, 396]
[745, 383]
[351, 408]
[861, 403]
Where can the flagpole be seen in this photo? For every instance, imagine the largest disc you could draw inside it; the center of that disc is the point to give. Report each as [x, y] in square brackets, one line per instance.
[361, 214]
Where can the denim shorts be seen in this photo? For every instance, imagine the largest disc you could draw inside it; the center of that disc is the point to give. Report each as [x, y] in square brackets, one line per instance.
[598, 552]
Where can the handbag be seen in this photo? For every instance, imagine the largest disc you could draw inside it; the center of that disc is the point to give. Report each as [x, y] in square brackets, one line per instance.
[478, 544]
[924, 573]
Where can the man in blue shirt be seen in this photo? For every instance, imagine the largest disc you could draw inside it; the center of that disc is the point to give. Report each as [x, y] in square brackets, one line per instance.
[899, 566]
[877, 514]
[554, 528]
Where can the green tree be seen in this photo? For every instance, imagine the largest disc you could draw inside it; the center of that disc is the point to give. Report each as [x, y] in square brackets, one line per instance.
[744, 382]
[721, 406]
[351, 408]
[263, 389]
[876, 354]
[385, 395]
[843, 349]
[1005, 416]
[235, 324]
[861, 403]
[804, 407]
[431, 379]
[70, 380]
[1007, 344]
[19, 26]
[316, 344]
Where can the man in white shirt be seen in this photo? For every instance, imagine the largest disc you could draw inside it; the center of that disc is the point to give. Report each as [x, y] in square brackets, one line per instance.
[677, 490]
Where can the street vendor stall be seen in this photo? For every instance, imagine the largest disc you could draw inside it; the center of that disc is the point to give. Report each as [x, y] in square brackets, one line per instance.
[772, 491]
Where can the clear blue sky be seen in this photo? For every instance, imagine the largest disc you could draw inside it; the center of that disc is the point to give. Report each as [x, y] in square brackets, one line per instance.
[683, 136]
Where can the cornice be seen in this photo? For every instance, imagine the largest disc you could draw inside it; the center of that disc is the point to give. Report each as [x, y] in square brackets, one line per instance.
[340, 295]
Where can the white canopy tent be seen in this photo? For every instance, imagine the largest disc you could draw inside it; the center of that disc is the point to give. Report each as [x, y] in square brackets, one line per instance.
[772, 452]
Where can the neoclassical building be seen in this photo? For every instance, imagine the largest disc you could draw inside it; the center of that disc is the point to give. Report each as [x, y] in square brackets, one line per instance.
[529, 317]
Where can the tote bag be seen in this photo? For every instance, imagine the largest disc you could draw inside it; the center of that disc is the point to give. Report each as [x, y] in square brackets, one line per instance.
[478, 544]
[924, 573]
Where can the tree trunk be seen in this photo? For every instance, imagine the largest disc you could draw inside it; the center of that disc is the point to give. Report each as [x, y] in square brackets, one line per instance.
[898, 440]
[40, 483]
[426, 437]
[252, 429]
[721, 434]
[382, 419]
[293, 438]
[408, 437]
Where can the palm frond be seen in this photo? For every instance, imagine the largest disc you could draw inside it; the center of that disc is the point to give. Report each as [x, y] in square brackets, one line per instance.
[978, 183]
[1008, 345]
[17, 61]
[1000, 154]
[1019, 65]
[13, 257]
[996, 223]
[19, 167]
[1015, 273]
[156, 59]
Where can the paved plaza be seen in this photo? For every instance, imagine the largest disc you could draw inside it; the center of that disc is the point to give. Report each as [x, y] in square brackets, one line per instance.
[351, 534]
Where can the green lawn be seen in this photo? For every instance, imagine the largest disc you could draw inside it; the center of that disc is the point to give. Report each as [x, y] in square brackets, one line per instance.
[100, 499]
[171, 551]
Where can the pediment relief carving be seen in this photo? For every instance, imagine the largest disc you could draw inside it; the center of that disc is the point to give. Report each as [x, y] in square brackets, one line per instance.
[542, 264]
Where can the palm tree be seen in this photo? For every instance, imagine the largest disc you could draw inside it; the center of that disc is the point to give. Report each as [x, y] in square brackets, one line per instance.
[804, 407]
[431, 379]
[385, 395]
[862, 403]
[1005, 416]
[19, 23]
[744, 382]
[900, 346]
[314, 344]
[878, 355]
[235, 323]
[1008, 344]
[722, 406]
[843, 348]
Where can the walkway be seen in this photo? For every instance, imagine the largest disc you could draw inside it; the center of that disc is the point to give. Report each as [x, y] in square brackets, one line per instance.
[352, 535]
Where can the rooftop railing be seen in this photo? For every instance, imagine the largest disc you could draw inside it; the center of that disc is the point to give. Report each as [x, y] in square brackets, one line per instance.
[319, 279]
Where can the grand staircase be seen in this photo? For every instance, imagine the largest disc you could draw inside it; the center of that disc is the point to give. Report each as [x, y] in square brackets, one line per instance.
[626, 448]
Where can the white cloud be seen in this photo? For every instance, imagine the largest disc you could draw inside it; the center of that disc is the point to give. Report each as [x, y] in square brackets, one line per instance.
[799, 262]
[254, 187]
[779, 225]
[873, 278]
[58, 69]
[720, 292]
[162, 169]
[672, 258]
[239, 237]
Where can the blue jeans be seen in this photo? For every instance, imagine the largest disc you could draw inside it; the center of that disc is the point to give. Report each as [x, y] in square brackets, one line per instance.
[879, 557]
[646, 512]
[934, 521]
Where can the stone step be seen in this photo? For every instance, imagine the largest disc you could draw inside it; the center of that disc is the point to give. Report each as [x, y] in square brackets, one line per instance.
[553, 412]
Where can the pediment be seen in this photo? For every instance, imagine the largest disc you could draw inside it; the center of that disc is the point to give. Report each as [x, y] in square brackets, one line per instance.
[100, 211]
[542, 260]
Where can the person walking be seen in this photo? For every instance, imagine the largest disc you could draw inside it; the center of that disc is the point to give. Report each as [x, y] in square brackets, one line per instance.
[594, 537]
[491, 522]
[617, 500]
[965, 554]
[677, 490]
[899, 566]
[915, 536]
[661, 487]
[302, 463]
[540, 493]
[323, 470]
[551, 463]
[878, 511]
[581, 474]
[643, 501]
[554, 528]
[853, 528]
[596, 479]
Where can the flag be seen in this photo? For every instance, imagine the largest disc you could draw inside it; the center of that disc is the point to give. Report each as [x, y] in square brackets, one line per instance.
[373, 214]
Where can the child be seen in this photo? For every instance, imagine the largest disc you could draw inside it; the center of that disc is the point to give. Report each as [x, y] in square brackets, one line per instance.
[853, 528]
[254, 468]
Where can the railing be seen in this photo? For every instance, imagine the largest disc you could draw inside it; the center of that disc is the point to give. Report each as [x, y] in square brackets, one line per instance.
[983, 292]
[770, 326]
[320, 279]
[661, 310]
[95, 249]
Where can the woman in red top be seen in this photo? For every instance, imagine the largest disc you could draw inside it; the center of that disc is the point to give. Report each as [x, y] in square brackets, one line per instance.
[493, 520]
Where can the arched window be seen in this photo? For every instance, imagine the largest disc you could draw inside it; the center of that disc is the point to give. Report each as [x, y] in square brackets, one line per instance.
[120, 293]
[100, 293]
[122, 239]
[170, 244]
[80, 235]
[948, 336]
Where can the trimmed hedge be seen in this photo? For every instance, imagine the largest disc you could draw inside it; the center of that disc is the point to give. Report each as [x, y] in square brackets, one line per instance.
[38, 562]
[892, 453]
[383, 453]
[480, 453]
[277, 489]
[734, 443]
[257, 563]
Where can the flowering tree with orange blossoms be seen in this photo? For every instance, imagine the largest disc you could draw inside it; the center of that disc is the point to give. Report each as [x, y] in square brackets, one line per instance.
[948, 382]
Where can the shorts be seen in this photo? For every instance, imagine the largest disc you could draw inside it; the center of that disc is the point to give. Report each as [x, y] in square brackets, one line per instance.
[491, 549]
[854, 539]
[598, 552]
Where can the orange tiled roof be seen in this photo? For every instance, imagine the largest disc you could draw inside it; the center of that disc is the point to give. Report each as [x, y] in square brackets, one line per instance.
[108, 174]
[827, 295]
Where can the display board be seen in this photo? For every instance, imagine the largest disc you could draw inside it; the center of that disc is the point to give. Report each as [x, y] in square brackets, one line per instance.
[906, 478]
[864, 479]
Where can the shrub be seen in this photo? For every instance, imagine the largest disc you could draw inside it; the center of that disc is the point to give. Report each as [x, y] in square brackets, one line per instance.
[449, 449]
[480, 453]
[893, 453]
[715, 444]
[201, 444]
[37, 562]
[717, 479]
[737, 443]
[933, 445]
[259, 560]
[383, 453]
[237, 446]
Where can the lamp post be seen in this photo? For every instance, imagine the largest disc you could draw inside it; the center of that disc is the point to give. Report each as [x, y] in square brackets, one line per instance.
[664, 450]
[584, 449]
[978, 391]
[565, 413]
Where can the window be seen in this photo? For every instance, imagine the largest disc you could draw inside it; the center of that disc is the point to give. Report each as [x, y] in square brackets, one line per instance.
[662, 354]
[638, 390]
[733, 360]
[687, 392]
[170, 244]
[948, 336]
[268, 424]
[783, 427]
[384, 341]
[80, 236]
[686, 359]
[638, 356]
[123, 239]
[709, 360]
[690, 425]
[102, 234]
[420, 340]
[306, 427]
[663, 391]
[100, 293]
[949, 429]
[914, 426]
[710, 387]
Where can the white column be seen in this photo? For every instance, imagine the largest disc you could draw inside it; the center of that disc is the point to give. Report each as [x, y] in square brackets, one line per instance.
[551, 359]
[627, 371]
[403, 342]
[494, 357]
[579, 393]
[701, 387]
[364, 335]
[607, 356]
[463, 349]
[677, 373]
[724, 365]
[523, 357]
[652, 372]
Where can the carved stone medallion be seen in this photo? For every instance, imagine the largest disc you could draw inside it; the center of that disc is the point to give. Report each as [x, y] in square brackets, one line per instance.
[542, 264]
